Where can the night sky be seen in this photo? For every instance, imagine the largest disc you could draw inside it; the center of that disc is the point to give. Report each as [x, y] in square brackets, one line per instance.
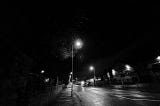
[127, 32]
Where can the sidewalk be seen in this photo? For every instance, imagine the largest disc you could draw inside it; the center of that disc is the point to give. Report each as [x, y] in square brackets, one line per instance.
[64, 99]
[50, 98]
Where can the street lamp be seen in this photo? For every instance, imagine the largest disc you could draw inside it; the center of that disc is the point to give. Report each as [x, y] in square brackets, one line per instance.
[42, 71]
[113, 72]
[128, 67]
[77, 44]
[47, 80]
[158, 59]
[91, 68]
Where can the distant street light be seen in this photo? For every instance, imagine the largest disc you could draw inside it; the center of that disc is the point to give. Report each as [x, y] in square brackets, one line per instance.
[158, 59]
[47, 80]
[128, 67]
[42, 71]
[91, 68]
[70, 73]
[77, 44]
[108, 75]
[113, 72]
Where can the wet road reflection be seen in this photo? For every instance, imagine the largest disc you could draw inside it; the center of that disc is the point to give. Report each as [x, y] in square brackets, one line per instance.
[94, 96]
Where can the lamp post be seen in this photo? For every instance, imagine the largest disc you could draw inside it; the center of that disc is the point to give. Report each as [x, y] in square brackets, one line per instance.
[91, 68]
[77, 44]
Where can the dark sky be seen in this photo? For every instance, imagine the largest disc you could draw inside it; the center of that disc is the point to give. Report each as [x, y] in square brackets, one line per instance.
[109, 31]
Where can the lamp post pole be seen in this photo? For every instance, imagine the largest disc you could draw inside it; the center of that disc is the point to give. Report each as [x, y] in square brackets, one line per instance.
[72, 73]
[91, 68]
[76, 44]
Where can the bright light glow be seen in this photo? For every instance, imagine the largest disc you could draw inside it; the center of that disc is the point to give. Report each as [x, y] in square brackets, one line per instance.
[113, 72]
[128, 67]
[71, 73]
[42, 71]
[47, 80]
[82, 83]
[158, 59]
[78, 44]
[91, 80]
[91, 68]
[108, 75]
[98, 79]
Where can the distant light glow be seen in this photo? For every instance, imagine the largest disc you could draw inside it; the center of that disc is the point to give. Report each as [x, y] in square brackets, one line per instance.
[42, 71]
[158, 59]
[113, 72]
[71, 73]
[47, 80]
[78, 44]
[108, 75]
[91, 68]
[82, 83]
[128, 67]
[91, 80]
[66, 51]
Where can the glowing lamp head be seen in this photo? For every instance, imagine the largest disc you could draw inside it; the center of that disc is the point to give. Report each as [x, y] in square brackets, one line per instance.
[78, 44]
[47, 80]
[91, 80]
[91, 68]
[70, 73]
[42, 71]
[108, 75]
[82, 82]
[113, 72]
[158, 58]
[128, 67]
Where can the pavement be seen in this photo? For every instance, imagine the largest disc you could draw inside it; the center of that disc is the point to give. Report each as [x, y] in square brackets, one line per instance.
[63, 98]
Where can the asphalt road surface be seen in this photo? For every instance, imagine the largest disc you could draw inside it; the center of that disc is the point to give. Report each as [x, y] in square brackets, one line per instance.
[96, 96]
